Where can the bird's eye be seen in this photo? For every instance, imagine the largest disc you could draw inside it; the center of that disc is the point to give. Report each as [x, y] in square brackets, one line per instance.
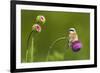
[71, 30]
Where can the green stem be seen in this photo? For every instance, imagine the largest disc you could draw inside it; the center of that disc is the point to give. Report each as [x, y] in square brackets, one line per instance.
[54, 42]
[32, 34]
[61, 38]
[32, 49]
[28, 45]
[26, 55]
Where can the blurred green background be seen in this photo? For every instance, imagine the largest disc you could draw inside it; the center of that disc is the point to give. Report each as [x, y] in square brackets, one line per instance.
[57, 25]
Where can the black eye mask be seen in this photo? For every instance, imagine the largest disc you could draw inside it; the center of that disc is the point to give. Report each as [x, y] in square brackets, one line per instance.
[71, 30]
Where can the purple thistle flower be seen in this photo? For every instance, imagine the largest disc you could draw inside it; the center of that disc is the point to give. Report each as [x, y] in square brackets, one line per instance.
[76, 46]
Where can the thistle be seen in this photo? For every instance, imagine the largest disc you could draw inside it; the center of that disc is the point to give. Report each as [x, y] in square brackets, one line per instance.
[36, 28]
[40, 19]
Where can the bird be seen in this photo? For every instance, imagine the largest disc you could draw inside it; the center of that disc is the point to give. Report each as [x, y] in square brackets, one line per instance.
[74, 41]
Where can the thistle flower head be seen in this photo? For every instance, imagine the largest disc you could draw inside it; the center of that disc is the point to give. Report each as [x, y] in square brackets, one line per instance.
[40, 19]
[36, 27]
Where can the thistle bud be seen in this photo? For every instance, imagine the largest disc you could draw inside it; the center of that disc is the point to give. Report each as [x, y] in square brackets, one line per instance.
[36, 27]
[40, 19]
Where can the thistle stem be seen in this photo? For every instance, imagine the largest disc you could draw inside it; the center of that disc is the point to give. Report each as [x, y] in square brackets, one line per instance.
[28, 46]
[61, 38]
[54, 42]
[32, 49]
[26, 55]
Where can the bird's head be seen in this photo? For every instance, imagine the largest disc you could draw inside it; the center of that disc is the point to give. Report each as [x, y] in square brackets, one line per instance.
[72, 30]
